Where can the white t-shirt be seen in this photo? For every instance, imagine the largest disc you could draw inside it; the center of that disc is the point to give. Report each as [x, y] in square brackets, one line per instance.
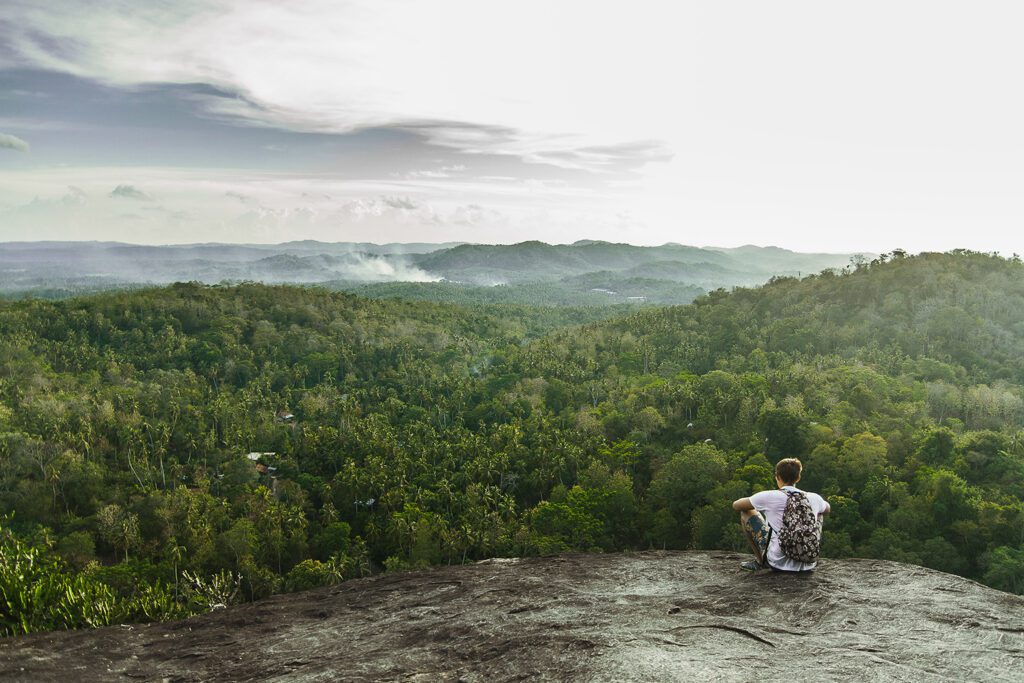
[772, 504]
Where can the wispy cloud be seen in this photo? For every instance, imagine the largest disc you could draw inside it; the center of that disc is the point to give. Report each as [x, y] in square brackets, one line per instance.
[435, 173]
[469, 88]
[243, 198]
[403, 203]
[13, 142]
[130, 192]
[75, 195]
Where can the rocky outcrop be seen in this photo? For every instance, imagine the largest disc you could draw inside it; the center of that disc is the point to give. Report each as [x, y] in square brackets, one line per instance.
[651, 616]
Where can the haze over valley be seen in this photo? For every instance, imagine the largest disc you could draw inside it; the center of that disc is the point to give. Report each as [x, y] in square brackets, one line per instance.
[585, 273]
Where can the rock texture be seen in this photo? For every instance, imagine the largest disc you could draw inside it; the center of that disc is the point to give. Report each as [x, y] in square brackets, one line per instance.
[652, 616]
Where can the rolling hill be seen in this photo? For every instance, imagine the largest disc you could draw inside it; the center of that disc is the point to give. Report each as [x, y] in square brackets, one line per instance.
[548, 272]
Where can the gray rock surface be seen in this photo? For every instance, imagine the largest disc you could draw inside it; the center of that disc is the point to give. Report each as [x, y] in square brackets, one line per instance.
[651, 616]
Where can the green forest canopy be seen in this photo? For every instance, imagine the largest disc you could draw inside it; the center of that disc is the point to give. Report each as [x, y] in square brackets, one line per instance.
[399, 434]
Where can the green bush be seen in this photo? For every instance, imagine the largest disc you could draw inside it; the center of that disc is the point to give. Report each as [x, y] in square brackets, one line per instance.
[38, 594]
[311, 574]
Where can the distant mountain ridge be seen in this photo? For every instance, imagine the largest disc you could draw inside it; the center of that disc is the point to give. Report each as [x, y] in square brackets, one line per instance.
[530, 261]
[29, 268]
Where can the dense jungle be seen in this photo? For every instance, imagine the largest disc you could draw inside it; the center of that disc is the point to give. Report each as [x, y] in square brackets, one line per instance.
[167, 450]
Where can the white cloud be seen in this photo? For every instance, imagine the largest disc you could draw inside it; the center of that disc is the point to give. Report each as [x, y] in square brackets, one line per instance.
[422, 174]
[553, 80]
[243, 198]
[130, 192]
[435, 173]
[75, 195]
[13, 142]
[45, 217]
[232, 206]
[403, 203]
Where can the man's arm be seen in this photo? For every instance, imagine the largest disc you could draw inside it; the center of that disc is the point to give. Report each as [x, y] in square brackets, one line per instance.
[742, 504]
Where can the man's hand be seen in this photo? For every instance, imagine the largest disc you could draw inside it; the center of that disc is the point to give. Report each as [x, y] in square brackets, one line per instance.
[742, 504]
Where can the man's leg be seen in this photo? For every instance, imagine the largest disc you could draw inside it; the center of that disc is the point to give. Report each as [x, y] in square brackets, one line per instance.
[755, 528]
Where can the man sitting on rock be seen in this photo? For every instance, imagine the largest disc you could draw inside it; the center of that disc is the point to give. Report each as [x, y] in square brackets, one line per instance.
[787, 536]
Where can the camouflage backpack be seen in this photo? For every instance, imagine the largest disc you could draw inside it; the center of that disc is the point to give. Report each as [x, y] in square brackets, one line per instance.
[800, 536]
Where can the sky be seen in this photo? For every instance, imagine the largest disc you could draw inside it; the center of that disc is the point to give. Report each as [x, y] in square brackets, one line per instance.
[827, 127]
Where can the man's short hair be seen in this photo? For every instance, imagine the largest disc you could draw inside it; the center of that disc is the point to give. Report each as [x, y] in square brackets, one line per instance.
[788, 470]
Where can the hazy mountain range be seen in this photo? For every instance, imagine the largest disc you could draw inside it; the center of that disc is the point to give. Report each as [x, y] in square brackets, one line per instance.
[583, 272]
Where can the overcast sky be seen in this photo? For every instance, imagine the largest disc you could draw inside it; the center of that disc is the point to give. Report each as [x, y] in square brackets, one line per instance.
[808, 125]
